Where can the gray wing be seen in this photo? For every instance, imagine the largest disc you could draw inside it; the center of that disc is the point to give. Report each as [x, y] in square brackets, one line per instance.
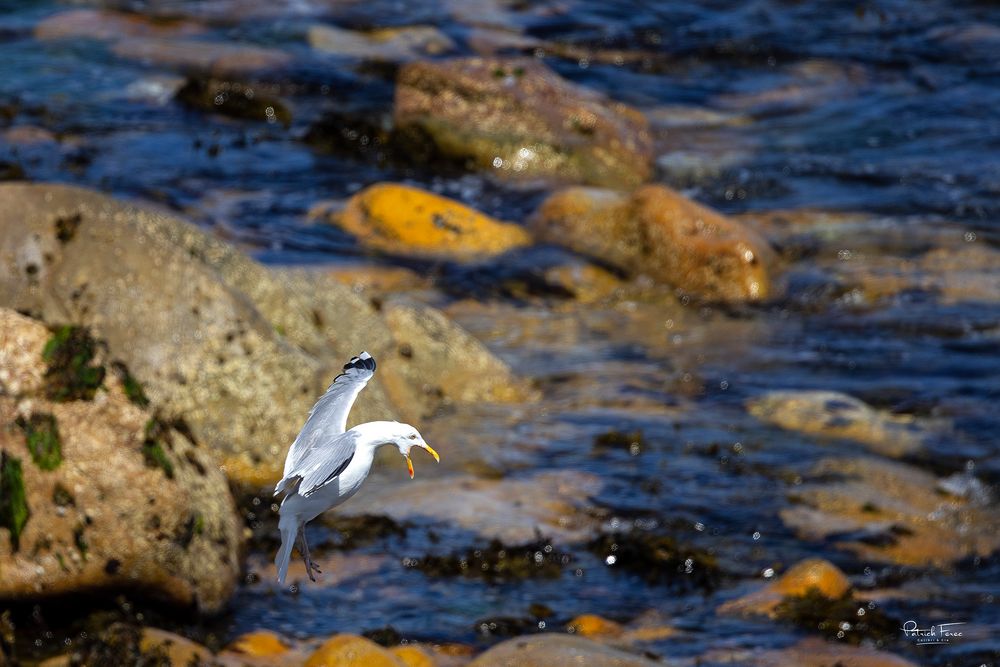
[322, 466]
[329, 416]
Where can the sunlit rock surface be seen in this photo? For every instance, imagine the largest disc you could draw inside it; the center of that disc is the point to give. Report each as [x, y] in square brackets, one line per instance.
[892, 513]
[401, 219]
[812, 574]
[658, 232]
[110, 498]
[832, 414]
[546, 650]
[517, 119]
[352, 651]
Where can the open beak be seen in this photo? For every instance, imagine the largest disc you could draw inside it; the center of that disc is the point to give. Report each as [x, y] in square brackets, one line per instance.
[430, 450]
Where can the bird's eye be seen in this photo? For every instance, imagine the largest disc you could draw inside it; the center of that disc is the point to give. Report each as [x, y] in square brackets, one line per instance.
[413, 437]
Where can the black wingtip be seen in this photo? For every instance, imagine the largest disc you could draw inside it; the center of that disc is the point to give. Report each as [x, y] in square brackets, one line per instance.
[363, 361]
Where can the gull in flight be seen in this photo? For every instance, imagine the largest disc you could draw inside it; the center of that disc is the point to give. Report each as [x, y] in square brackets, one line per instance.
[327, 464]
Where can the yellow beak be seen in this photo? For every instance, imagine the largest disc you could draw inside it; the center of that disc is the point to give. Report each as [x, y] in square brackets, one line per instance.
[430, 450]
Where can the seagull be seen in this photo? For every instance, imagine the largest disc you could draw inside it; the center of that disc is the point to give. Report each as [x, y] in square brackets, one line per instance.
[327, 464]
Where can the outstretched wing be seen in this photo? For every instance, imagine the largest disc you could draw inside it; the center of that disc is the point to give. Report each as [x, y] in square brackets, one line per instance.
[324, 465]
[329, 416]
[319, 466]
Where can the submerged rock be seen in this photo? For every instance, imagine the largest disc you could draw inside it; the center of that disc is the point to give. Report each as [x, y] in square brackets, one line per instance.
[513, 511]
[234, 98]
[891, 513]
[545, 650]
[518, 119]
[110, 498]
[658, 232]
[833, 414]
[382, 45]
[404, 220]
[108, 26]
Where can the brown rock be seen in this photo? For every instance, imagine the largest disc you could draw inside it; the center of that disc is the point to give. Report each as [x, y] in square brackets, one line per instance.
[809, 653]
[218, 58]
[404, 220]
[518, 119]
[110, 26]
[832, 414]
[352, 651]
[238, 351]
[112, 499]
[813, 573]
[445, 360]
[658, 232]
[592, 625]
[892, 513]
[383, 45]
[178, 651]
[546, 650]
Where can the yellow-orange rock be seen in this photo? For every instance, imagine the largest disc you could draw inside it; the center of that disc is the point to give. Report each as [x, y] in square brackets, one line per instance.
[658, 232]
[413, 656]
[352, 651]
[261, 643]
[812, 573]
[179, 650]
[400, 219]
[592, 625]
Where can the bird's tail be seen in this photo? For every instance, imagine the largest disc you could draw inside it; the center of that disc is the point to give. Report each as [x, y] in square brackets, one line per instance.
[289, 529]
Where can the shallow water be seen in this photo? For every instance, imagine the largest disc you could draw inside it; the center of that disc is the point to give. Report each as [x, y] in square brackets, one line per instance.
[886, 108]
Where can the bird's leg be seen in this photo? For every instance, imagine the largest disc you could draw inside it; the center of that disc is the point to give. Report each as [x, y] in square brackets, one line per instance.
[310, 565]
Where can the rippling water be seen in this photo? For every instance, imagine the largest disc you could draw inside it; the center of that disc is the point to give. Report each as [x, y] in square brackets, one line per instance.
[888, 108]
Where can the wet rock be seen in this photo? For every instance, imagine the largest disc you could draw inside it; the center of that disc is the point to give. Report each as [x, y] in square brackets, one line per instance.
[657, 232]
[445, 360]
[383, 45]
[236, 350]
[512, 511]
[404, 220]
[216, 58]
[109, 26]
[843, 618]
[234, 98]
[592, 625]
[813, 574]
[177, 651]
[890, 512]
[835, 415]
[517, 119]
[352, 651]
[259, 649]
[809, 653]
[78, 508]
[28, 136]
[545, 650]
[584, 282]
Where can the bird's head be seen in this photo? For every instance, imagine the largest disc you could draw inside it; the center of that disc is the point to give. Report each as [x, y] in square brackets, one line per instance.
[405, 438]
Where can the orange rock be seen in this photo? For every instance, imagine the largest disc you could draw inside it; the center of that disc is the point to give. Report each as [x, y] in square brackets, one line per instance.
[179, 650]
[650, 633]
[394, 218]
[658, 232]
[413, 656]
[261, 643]
[592, 625]
[812, 573]
[352, 651]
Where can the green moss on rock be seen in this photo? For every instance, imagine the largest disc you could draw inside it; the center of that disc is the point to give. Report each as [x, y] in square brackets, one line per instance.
[41, 432]
[71, 374]
[132, 387]
[14, 510]
[153, 448]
